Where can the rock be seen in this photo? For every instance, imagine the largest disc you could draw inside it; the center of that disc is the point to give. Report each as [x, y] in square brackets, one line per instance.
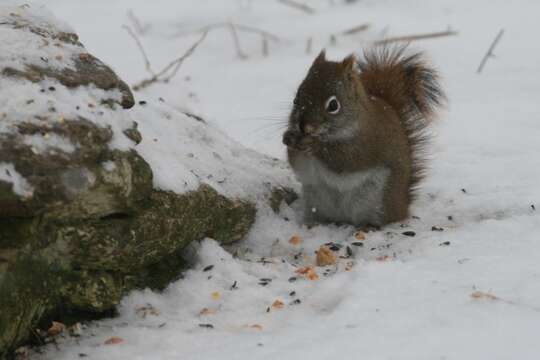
[89, 206]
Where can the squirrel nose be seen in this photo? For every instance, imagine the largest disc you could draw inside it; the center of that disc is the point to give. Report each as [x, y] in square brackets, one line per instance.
[290, 138]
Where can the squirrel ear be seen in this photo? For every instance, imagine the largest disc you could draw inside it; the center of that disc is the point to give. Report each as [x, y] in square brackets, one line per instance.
[321, 57]
[349, 63]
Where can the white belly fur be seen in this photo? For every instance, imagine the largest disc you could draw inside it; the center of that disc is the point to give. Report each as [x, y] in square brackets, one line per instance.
[354, 198]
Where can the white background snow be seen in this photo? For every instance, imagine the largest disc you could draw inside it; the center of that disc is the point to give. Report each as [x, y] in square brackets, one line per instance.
[405, 297]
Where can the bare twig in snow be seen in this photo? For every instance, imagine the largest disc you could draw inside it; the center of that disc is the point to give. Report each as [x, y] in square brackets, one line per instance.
[234, 34]
[239, 28]
[234, 30]
[297, 5]
[193, 116]
[481, 295]
[139, 27]
[356, 29]
[409, 38]
[141, 49]
[258, 31]
[489, 53]
[169, 71]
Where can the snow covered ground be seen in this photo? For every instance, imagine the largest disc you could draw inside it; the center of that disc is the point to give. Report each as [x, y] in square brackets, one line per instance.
[471, 291]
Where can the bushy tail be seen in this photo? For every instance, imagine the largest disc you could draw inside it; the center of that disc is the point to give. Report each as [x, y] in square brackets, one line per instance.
[411, 88]
[404, 81]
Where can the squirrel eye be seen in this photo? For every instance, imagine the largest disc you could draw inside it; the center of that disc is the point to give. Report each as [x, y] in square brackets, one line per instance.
[332, 105]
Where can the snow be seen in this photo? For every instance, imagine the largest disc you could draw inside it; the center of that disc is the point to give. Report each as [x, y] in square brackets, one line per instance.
[109, 166]
[421, 297]
[40, 143]
[17, 44]
[184, 152]
[48, 103]
[19, 184]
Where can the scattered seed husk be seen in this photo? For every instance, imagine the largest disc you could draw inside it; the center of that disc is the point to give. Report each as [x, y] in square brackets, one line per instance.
[360, 235]
[115, 340]
[278, 304]
[207, 311]
[295, 240]
[325, 256]
[383, 258]
[56, 328]
[308, 272]
[483, 295]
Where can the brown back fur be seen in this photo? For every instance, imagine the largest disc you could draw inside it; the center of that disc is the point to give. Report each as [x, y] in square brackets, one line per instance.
[411, 88]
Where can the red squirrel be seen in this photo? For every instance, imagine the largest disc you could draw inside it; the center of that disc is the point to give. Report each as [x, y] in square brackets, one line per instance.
[356, 134]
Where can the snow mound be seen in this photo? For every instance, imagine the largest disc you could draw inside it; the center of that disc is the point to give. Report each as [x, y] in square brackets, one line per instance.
[185, 152]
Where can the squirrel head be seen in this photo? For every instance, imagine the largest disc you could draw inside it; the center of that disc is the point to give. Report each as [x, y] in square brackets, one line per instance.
[328, 106]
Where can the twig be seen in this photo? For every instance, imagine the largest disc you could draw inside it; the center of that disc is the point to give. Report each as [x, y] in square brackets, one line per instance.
[193, 116]
[162, 76]
[141, 49]
[415, 37]
[234, 34]
[257, 31]
[297, 5]
[239, 28]
[481, 295]
[489, 53]
[139, 28]
[356, 29]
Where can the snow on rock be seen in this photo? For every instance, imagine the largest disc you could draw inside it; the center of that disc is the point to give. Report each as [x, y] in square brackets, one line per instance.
[48, 47]
[185, 152]
[48, 77]
[19, 183]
